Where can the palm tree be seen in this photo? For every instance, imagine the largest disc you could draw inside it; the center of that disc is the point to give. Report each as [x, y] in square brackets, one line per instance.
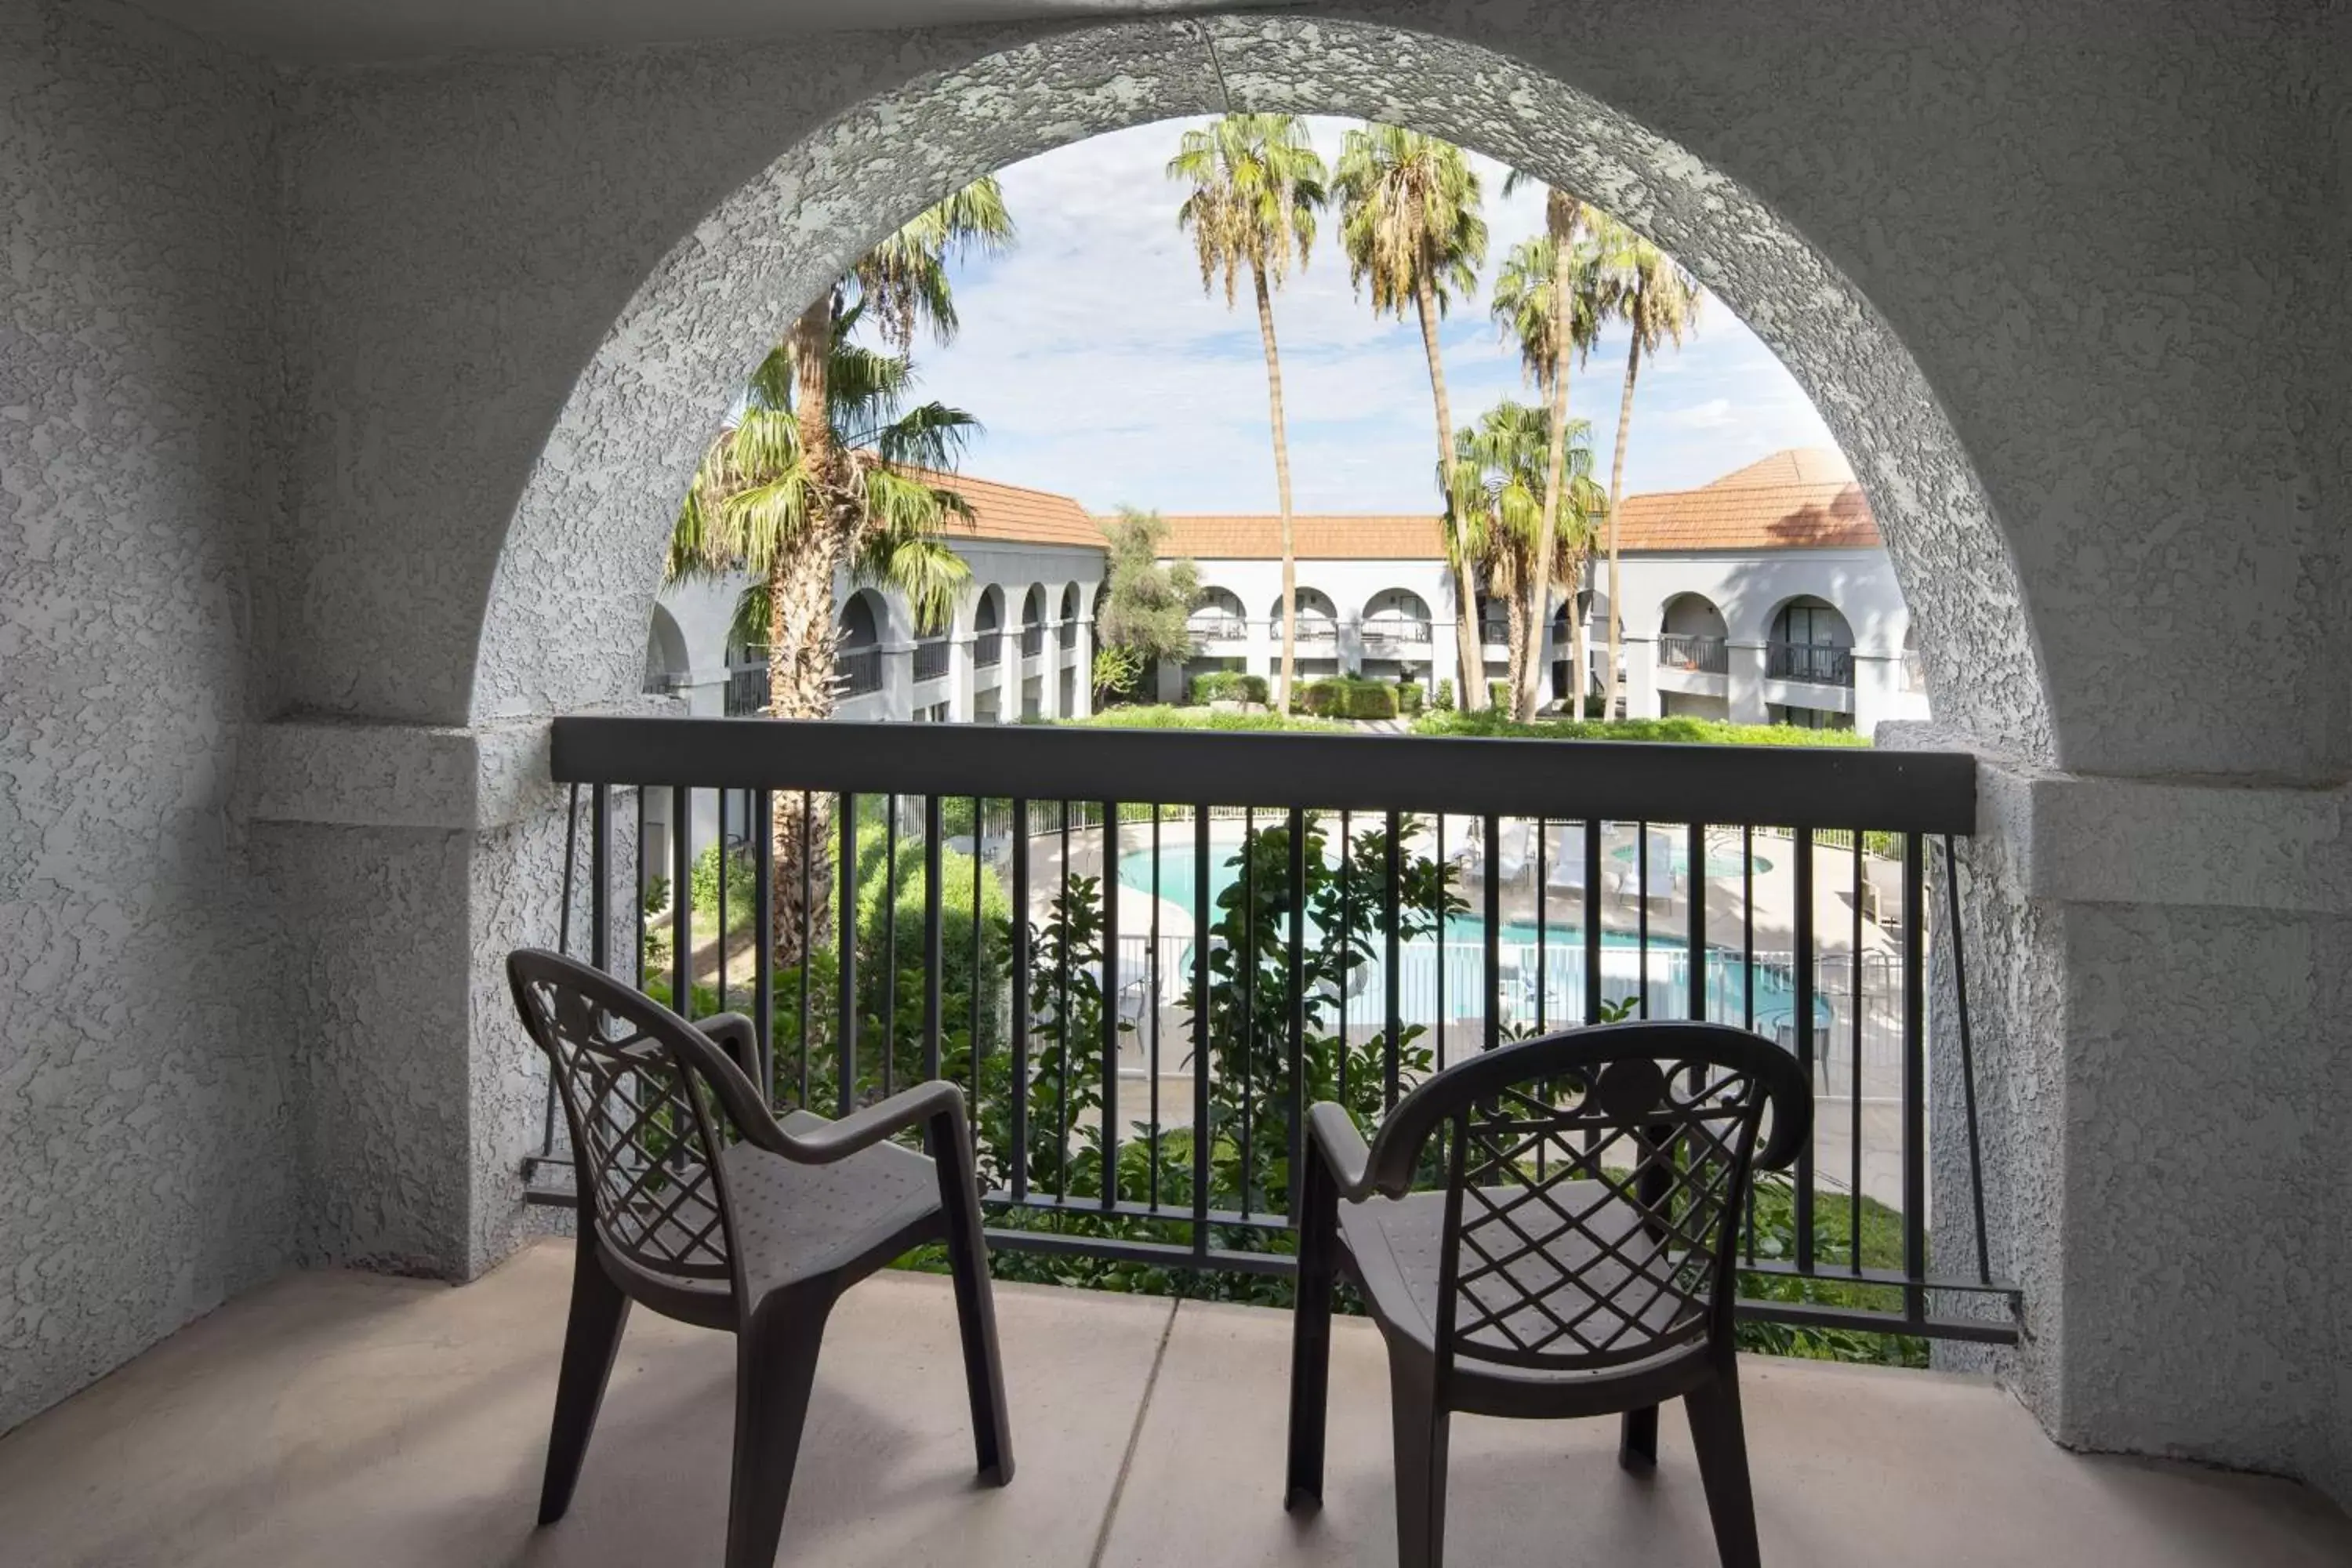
[1409, 221]
[1546, 281]
[1256, 184]
[1660, 302]
[755, 506]
[1498, 519]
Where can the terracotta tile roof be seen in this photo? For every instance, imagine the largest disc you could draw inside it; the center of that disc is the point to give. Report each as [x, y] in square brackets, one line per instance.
[1320, 536]
[1801, 500]
[1019, 515]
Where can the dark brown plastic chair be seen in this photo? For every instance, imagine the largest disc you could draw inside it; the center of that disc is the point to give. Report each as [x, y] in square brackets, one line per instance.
[1577, 1260]
[694, 1201]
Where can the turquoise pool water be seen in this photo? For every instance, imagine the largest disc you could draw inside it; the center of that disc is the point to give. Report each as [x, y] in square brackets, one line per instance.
[1448, 979]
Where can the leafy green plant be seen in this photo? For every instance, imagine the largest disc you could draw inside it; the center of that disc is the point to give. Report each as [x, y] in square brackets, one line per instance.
[1444, 700]
[1118, 672]
[1686, 731]
[1229, 686]
[742, 884]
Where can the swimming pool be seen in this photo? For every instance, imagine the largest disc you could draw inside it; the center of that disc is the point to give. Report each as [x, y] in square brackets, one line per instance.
[1443, 982]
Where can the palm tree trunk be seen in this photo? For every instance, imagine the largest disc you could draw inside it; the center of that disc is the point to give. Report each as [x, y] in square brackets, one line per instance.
[1282, 489]
[801, 644]
[1560, 214]
[1469, 646]
[1616, 494]
[1579, 671]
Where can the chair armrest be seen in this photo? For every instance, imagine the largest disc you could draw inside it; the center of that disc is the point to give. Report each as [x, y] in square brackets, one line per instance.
[1340, 1147]
[902, 1112]
[735, 1035]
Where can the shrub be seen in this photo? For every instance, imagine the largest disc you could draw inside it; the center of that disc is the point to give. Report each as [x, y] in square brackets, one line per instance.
[1349, 697]
[1166, 717]
[1410, 697]
[1444, 700]
[1229, 686]
[1498, 696]
[1687, 731]
[742, 884]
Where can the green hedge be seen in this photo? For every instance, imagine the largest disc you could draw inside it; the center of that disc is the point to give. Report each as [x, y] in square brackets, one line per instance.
[1349, 697]
[1228, 686]
[1164, 718]
[1689, 731]
[1411, 698]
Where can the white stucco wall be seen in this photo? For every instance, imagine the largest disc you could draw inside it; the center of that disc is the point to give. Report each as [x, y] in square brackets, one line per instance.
[148, 1141]
[2104, 435]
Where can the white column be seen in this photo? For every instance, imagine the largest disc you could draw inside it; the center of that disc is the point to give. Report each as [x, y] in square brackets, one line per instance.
[1744, 683]
[1049, 661]
[1082, 668]
[959, 686]
[1878, 693]
[897, 697]
[1641, 678]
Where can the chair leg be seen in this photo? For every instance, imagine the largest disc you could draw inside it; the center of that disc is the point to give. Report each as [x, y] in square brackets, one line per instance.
[1421, 1427]
[1722, 1444]
[1310, 1338]
[775, 1368]
[949, 1147]
[591, 1340]
[1637, 1439]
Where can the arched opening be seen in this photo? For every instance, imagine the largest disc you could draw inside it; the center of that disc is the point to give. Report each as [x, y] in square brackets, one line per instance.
[665, 653]
[1318, 617]
[1068, 629]
[1218, 616]
[1693, 636]
[728, 290]
[857, 667]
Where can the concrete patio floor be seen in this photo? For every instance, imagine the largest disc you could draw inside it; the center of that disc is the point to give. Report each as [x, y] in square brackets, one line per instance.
[351, 1419]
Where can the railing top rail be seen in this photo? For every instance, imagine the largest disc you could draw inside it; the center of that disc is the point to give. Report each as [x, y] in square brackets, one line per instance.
[1786, 786]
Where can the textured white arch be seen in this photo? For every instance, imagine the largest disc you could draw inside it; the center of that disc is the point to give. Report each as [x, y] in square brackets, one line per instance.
[565, 621]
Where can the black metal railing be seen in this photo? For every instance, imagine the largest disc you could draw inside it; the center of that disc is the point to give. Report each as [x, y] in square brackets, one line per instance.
[930, 658]
[1218, 628]
[1695, 652]
[1495, 628]
[859, 670]
[1817, 662]
[747, 690]
[987, 649]
[1033, 641]
[1380, 631]
[1314, 629]
[1298, 917]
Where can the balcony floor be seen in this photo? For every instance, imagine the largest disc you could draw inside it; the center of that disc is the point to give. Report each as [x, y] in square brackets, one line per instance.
[354, 1419]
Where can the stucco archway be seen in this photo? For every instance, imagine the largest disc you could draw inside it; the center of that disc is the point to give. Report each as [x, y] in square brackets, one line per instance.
[564, 625]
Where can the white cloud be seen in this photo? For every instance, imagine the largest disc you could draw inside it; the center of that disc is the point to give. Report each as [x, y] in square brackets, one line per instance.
[1099, 368]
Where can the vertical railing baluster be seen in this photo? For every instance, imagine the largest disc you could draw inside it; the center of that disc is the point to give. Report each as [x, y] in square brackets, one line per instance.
[761, 804]
[1065, 1053]
[1203, 1137]
[637, 893]
[600, 893]
[1245, 975]
[808, 938]
[1802, 1018]
[1694, 969]
[1345, 966]
[1543, 931]
[1914, 1080]
[1392, 912]
[846, 947]
[1151, 981]
[979, 946]
[1642, 915]
[1592, 920]
[1747, 973]
[934, 937]
[1442, 883]
[1968, 1040]
[1022, 937]
[681, 901]
[890, 1012]
[1491, 944]
[1110, 1004]
[723, 868]
[1295, 1048]
[1854, 1109]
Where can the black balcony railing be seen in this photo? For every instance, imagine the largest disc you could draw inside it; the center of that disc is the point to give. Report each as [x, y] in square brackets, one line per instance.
[1314, 629]
[747, 690]
[1495, 629]
[1033, 641]
[1322, 914]
[1218, 628]
[1397, 631]
[931, 660]
[987, 649]
[1695, 652]
[859, 671]
[1817, 662]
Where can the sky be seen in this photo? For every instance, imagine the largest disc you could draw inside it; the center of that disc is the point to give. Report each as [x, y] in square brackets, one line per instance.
[1099, 369]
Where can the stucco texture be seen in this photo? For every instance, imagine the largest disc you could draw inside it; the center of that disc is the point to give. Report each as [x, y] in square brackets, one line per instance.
[2064, 288]
[144, 1130]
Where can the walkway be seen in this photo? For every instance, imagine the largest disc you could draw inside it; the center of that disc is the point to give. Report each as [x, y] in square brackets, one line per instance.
[353, 1419]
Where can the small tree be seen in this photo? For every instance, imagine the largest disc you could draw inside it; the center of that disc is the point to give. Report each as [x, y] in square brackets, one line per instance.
[1146, 608]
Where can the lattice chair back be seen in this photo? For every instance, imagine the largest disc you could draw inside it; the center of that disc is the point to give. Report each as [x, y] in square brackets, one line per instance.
[647, 1128]
[1594, 1184]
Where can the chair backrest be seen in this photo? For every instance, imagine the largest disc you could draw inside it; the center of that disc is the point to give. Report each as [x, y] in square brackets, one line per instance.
[647, 1126]
[1593, 1184]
